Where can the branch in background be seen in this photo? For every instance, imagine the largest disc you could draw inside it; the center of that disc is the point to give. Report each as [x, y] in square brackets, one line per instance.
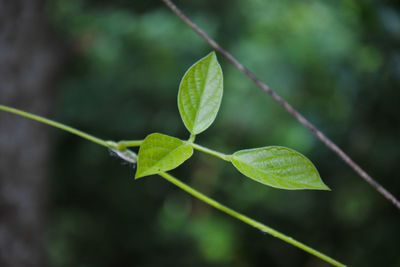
[322, 137]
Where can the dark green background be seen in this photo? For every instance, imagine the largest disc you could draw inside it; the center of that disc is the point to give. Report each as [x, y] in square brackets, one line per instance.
[337, 62]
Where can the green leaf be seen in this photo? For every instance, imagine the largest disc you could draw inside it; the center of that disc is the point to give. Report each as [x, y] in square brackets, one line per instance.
[160, 153]
[200, 94]
[278, 167]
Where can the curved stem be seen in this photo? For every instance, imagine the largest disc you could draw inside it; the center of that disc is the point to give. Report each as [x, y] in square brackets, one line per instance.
[58, 125]
[212, 152]
[247, 220]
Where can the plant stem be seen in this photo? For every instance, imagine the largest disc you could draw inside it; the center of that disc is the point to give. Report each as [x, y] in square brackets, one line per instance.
[58, 125]
[212, 152]
[192, 138]
[121, 145]
[132, 157]
[248, 220]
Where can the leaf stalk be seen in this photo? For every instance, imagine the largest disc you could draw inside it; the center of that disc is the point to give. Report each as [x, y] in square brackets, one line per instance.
[212, 152]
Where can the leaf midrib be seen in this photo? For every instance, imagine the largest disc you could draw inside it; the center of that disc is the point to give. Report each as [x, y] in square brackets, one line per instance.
[202, 93]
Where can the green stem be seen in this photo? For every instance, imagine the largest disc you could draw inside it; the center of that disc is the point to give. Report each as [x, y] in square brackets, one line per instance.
[212, 152]
[58, 125]
[192, 138]
[121, 145]
[248, 220]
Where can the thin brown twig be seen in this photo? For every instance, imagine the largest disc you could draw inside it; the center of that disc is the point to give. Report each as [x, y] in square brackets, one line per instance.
[329, 143]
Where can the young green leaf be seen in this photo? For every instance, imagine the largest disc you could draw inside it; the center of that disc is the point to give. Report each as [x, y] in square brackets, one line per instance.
[200, 94]
[160, 153]
[278, 167]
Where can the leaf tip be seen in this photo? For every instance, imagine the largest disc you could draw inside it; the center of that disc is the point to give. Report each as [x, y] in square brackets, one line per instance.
[325, 187]
[138, 175]
[213, 56]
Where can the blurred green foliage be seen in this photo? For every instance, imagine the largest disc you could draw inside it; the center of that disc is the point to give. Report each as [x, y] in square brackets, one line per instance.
[338, 62]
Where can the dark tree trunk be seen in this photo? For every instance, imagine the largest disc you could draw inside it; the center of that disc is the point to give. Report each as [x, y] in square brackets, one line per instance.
[29, 59]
